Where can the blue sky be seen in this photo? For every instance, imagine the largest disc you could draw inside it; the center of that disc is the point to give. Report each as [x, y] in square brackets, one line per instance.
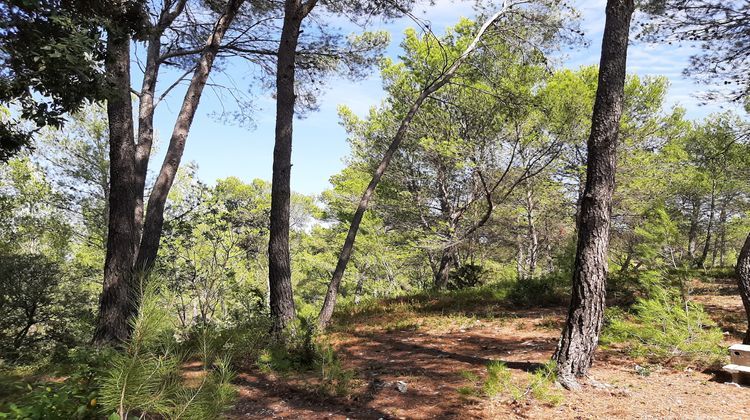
[221, 149]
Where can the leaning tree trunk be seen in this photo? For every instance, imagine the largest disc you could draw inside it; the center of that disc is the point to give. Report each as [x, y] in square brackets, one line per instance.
[116, 302]
[346, 251]
[580, 335]
[743, 283]
[154, 221]
[279, 267]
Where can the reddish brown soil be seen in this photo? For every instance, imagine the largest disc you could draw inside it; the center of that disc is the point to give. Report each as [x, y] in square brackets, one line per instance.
[429, 351]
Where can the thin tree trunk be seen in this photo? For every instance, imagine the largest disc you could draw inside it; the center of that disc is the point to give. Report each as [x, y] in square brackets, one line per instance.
[279, 267]
[145, 130]
[146, 109]
[718, 248]
[742, 272]
[116, 302]
[580, 335]
[709, 229]
[520, 261]
[346, 251]
[154, 221]
[533, 237]
[693, 232]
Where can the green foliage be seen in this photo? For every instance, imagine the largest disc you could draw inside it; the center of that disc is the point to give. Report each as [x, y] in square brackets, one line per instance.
[146, 378]
[500, 384]
[548, 290]
[301, 350]
[467, 275]
[664, 328]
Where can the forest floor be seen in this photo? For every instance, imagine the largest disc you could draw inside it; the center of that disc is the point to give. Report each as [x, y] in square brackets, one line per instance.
[429, 343]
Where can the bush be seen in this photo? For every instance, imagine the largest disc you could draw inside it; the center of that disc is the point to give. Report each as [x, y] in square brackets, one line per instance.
[37, 323]
[664, 328]
[467, 275]
[75, 397]
[500, 384]
[549, 290]
[302, 350]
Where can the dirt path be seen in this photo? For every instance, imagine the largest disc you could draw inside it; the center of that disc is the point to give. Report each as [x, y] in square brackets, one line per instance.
[429, 352]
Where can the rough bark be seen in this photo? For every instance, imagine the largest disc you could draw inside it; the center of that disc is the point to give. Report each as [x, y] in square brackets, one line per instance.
[447, 261]
[742, 272]
[441, 80]
[115, 304]
[154, 220]
[580, 335]
[279, 267]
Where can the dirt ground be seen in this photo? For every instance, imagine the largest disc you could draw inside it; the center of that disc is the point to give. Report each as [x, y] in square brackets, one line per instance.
[429, 352]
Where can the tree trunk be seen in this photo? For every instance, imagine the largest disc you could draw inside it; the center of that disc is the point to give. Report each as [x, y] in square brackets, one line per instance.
[580, 334]
[447, 261]
[520, 261]
[116, 302]
[279, 269]
[346, 251]
[146, 109]
[693, 232]
[145, 131]
[154, 221]
[743, 283]
[720, 240]
[709, 229]
[360, 286]
[533, 237]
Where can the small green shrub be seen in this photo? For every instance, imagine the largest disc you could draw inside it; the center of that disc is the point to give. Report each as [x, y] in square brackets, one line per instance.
[664, 328]
[500, 384]
[467, 275]
[335, 379]
[73, 398]
[548, 290]
[302, 350]
[145, 379]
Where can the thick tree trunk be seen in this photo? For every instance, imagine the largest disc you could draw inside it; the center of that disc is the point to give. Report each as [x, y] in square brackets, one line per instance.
[154, 221]
[447, 261]
[279, 267]
[743, 283]
[580, 335]
[346, 251]
[116, 302]
[709, 229]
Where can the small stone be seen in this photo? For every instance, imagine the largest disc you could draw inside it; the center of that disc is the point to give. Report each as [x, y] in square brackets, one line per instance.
[401, 386]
